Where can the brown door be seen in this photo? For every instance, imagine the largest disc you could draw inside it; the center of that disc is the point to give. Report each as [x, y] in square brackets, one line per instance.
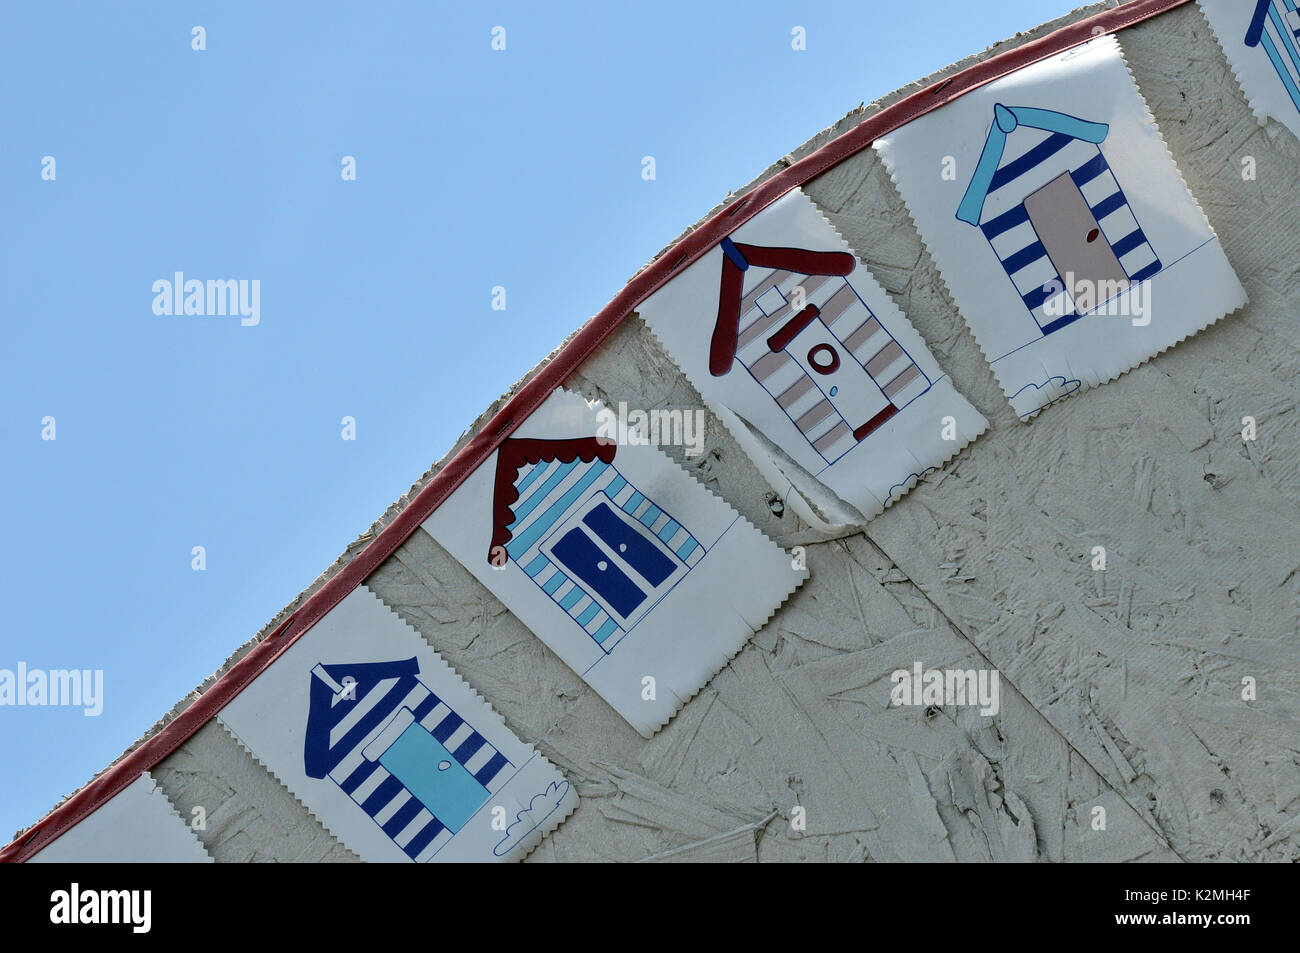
[1073, 239]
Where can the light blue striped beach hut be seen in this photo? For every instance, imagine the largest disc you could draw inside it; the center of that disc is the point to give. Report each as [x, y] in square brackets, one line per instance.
[599, 548]
[403, 756]
[1275, 28]
[1054, 213]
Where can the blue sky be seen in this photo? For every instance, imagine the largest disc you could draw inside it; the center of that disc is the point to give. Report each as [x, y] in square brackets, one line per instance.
[474, 168]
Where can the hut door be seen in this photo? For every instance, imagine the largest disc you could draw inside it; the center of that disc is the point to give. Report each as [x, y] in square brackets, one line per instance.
[848, 387]
[428, 770]
[617, 560]
[1073, 239]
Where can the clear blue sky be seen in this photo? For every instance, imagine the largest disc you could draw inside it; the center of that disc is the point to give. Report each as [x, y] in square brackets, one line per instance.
[474, 168]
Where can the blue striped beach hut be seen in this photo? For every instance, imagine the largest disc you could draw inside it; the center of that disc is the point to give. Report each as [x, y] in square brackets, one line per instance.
[598, 547]
[406, 759]
[1275, 28]
[1054, 213]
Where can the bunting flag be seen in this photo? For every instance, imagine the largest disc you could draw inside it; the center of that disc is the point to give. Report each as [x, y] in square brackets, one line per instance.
[1261, 39]
[137, 825]
[782, 327]
[395, 755]
[1061, 224]
[641, 580]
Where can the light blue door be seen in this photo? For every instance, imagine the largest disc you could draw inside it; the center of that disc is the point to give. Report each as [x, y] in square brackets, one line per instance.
[430, 773]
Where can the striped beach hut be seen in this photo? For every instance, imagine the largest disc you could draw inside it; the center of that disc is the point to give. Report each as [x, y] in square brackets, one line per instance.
[417, 768]
[598, 547]
[793, 320]
[1275, 27]
[1053, 211]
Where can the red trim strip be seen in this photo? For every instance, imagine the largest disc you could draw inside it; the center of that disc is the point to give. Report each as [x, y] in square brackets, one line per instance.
[726, 336]
[802, 260]
[531, 395]
[726, 330]
[515, 452]
[871, 425]
[790, 330]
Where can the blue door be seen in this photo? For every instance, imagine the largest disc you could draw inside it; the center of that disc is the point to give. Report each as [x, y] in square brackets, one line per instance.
[434, 777]
[578, 552]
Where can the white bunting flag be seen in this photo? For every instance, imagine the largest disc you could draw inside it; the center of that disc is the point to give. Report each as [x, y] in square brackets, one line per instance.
[1261, 39]
[641, 580]
[781, 329]
[389, 748]
[1061, 225]
[136, 825]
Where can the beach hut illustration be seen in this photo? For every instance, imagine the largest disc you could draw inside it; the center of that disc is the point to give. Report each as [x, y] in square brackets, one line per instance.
[1275, 27]
[1053, 212]
[792, 318]
[599, 548]
[417, 768]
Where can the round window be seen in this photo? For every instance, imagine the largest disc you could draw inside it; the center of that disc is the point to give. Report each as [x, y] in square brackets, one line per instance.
[824, 359]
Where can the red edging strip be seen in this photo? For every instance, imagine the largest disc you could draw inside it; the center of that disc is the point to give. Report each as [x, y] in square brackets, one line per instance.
[535, 391]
